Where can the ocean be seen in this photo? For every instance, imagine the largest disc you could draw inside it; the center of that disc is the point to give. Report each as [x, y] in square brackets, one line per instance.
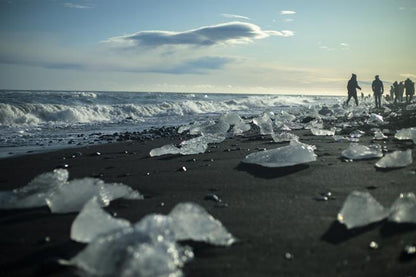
[33, 121]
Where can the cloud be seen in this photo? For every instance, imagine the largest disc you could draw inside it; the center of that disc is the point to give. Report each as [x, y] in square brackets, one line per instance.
[194, 66]
[226, 33]
[76, 6]
[408, 75]
[227, 15]
[287, 12]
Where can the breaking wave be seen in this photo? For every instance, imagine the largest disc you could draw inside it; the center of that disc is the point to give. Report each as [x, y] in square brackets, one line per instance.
[14, 114]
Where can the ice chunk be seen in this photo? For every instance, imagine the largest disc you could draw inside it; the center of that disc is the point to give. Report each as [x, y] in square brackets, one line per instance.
[356, 134]
[281, 126]
[403, 209]
[219, 128]
[93, 221]
[164, 150]
[378, 135]
[192, 146]
[411, 107]
[321, 132]
[284, 136]
[357, 151]
[132, 252]
[285, 116]
[192, 222]
[396, 159]
[34, 194]
[316, 124]
[361, 209]
[240, 128]
[72, 196]
[239, 125]
[264, 123]
[149, 247]
[293, 154]
[230, 118]
[338, 138]
[406, 134]
[375, 119]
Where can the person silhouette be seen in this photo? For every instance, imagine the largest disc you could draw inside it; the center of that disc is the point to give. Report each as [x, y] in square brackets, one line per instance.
[410, 89]
[396, 91]
[378, 90]
[352, 89]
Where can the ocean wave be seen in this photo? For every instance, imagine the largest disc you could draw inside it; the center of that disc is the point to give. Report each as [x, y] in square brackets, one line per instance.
[12, 114]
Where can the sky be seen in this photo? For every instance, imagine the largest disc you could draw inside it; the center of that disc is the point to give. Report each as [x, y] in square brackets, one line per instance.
[207, 46]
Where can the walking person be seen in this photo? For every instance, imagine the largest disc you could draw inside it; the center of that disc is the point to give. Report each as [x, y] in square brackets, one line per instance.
[378, 90]
[352, 89]
[410, 89]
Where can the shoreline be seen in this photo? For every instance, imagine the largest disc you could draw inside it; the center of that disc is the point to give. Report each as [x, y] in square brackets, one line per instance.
[273, 212]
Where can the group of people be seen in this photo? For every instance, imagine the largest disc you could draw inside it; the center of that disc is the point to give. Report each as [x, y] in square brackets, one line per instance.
[396, 90]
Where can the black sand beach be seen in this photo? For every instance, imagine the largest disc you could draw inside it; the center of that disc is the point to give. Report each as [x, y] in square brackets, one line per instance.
[282, 227]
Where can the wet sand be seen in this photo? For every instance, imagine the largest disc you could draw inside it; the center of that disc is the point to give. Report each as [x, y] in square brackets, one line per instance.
[283, 229]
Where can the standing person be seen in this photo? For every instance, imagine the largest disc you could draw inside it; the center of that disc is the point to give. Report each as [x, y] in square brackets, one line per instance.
[396, 91]
[352, 89]
[401, 91]
[391, 92]
[378, 90]
[410, 89]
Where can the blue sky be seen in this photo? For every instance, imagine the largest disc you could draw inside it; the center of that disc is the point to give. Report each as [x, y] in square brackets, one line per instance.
[277, 46]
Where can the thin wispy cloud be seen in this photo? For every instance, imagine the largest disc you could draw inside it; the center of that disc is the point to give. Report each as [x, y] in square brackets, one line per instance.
[76, 6]
[226, 33]
[408, 75]
[235, 16]
[287, 12]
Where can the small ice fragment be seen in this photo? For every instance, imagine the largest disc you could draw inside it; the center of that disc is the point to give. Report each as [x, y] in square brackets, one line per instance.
[322, 132]
[356, 134]
[410, 250]
[284, 136]
[375, 119]
[285, 117]
[396, 159]
[403, 209]
[192, 222]
[373, 245]
[339, 138]
[192, 146]
[281, 126]
[361, 209]
[72, 196]
[411, 107]
[264, 123]
[34, 194]
[378, 135]
[357, 151]
[213, 197]
[406, 134]
[164, 150]
[293, 154]
[93, 221]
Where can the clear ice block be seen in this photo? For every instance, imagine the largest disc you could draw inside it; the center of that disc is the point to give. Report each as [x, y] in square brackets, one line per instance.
[396, 159]
[293, 154]
[403, 209]
[34, 194]
[93, 221]
[357, 151]
[361, 209]
[192, 222]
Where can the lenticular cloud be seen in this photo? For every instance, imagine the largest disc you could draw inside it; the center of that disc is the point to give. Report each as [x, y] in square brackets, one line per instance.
[230, 32]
